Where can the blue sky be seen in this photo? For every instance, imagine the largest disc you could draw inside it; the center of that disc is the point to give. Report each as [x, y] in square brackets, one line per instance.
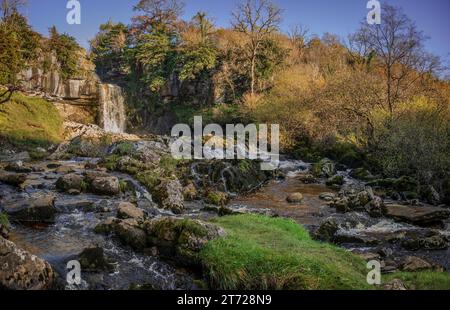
[340, 17]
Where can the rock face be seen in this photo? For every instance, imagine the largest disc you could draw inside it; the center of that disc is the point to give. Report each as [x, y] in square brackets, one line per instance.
[417, 215]
[19, 270]
[180, 239]
[39, 208]
[170, 195]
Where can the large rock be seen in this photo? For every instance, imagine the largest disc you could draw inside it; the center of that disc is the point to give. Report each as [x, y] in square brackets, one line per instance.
[129, 232]
[430, 241]
[295, 198]
[69, 182]
[169, 194]
[11, 178]
[38, 208]
[19, 270]
[413, 263]
[416, 215]
[107, 185]
[181, 239]
[128, 210]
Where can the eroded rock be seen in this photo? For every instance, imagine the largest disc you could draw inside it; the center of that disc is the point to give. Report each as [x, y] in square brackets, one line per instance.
[19, 270]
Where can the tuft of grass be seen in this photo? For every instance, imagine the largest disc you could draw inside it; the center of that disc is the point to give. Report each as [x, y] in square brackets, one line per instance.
[274, 253]
[27, 122]
[424, 280]
[4, 220]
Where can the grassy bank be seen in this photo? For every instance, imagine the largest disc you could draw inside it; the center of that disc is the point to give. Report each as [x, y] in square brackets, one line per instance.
[27, 123]
[276, 253]
[266, 253]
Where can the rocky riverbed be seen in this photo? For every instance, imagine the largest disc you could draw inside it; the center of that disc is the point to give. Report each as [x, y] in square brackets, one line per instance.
[135, 219]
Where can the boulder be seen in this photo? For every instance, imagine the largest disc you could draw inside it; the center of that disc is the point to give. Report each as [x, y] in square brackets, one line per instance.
[395, 285]
[181, 239]
[18, 167]
[295, 198]
[107, 185]
[413, 263]
[130, 233]
[38, 208]
[362, 174]
[417, 215]
[327, 231]
[94, 260]
[11, 178]
[327, 196]
[430, 241]
[19, 270]
[169, 194]
[69, 182]
[128, 210]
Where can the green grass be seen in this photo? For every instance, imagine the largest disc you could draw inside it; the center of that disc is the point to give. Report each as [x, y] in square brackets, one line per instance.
[28, 123]
[4, 220]
[424, 280]
[275, 253]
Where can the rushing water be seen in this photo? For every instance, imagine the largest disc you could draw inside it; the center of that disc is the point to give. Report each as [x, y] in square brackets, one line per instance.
[112, 107]
[73, 231]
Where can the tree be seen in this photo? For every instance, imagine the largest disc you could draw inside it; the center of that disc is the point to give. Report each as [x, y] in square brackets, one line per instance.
[11, 61]
[398, 46]
[19, 46]
[258, 20]
[159, 15]
[108, 48]
[8, 7]
[66, 48]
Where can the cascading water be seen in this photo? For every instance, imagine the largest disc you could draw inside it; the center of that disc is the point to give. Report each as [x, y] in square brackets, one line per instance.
[112, 108]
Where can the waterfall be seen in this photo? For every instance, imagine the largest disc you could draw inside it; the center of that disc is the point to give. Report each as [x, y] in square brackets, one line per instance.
[112, 108]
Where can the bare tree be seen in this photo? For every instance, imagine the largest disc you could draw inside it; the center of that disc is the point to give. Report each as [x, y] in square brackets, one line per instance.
[258, 20]
[7, 7]
[299, 35]
[398, 45]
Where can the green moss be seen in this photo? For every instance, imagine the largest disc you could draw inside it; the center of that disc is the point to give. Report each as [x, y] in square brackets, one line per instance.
[217, 198]
[28, 123]
[425, 280]
[273, 253]
[4, 220]
[124, 148]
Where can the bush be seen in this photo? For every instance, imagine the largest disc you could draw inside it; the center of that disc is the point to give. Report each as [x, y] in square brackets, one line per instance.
[414, 143]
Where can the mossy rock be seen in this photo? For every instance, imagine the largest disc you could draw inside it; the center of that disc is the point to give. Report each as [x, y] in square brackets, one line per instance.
[217, 198]
[337, 180]
[324, 169]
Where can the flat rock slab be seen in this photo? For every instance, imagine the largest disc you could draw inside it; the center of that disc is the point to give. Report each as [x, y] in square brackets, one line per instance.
[417, 215]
